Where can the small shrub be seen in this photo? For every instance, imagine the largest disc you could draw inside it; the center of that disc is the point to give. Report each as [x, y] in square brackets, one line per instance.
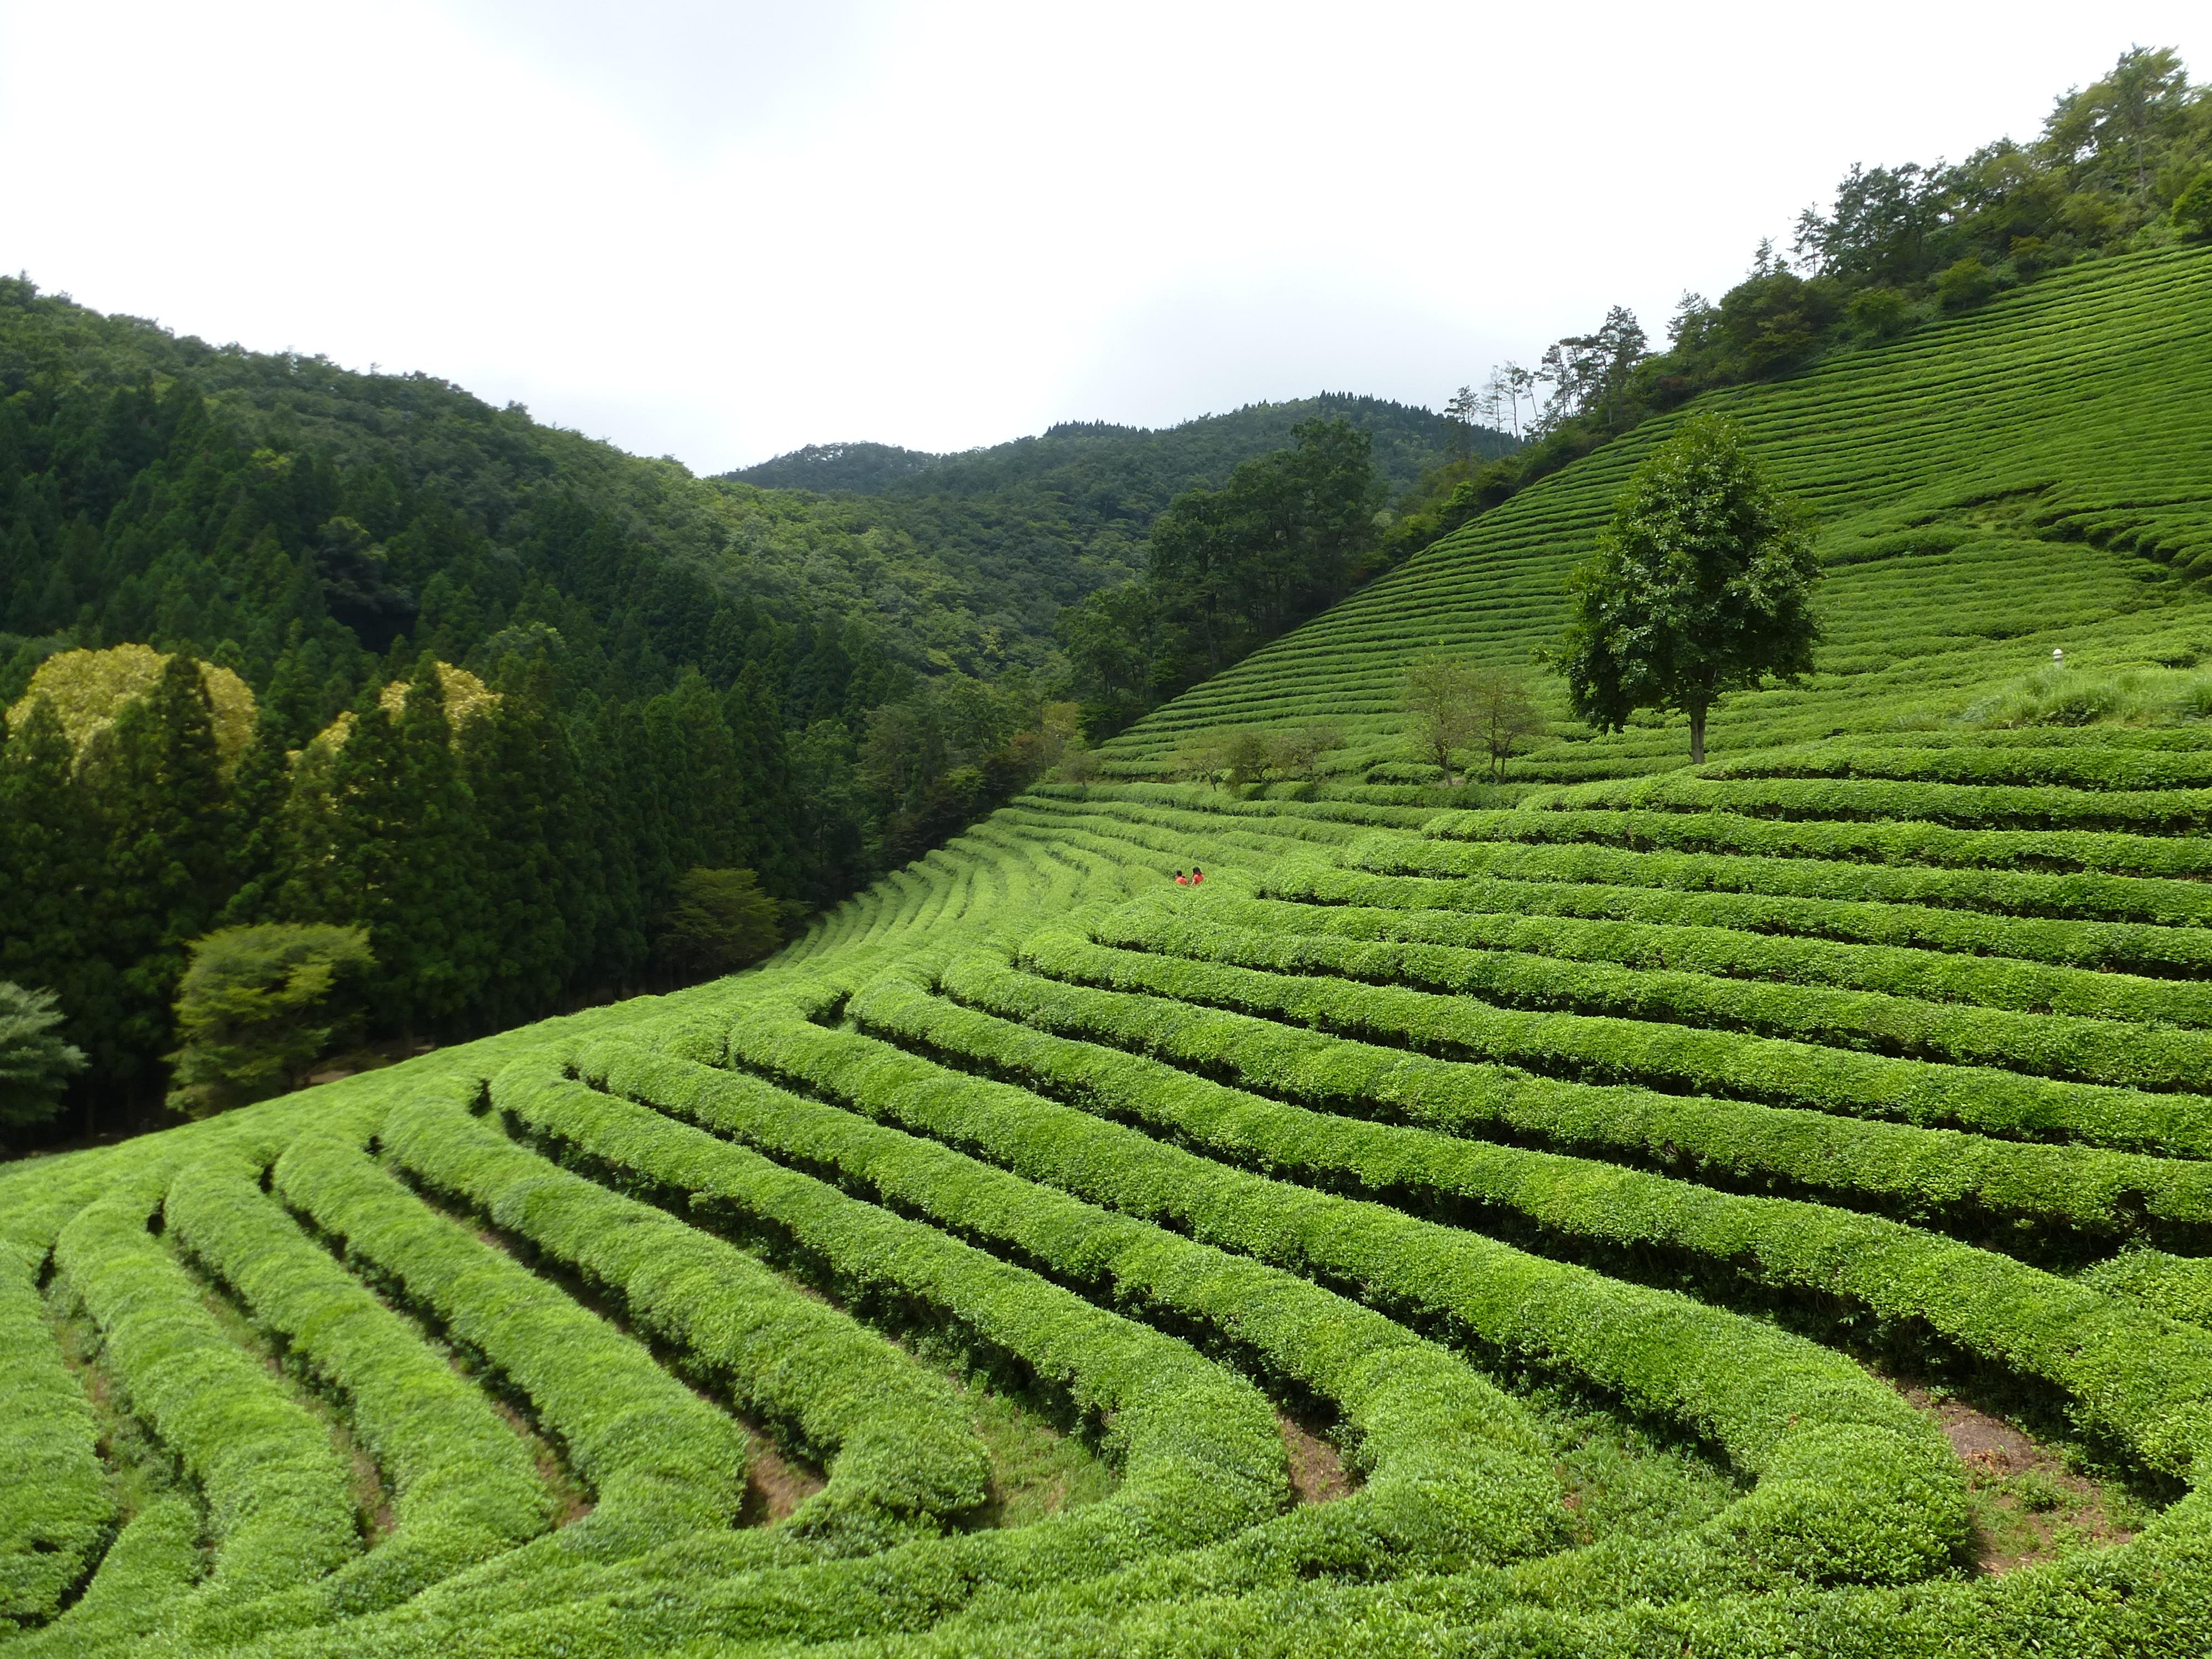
[2192, 208]
[1965, 284]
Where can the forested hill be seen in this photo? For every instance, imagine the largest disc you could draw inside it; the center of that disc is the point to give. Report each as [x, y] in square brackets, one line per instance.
[1047, 520]
[1136, 465]
[475, 519]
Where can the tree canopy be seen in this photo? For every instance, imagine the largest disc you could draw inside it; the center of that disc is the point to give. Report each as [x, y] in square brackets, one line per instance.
[721, 922]
[35, 1062]
[1283, 537]
[252, 1011]
[2121, 164]
[1702, 582]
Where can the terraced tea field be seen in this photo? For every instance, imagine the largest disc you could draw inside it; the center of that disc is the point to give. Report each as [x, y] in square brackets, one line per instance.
[1765, 1209]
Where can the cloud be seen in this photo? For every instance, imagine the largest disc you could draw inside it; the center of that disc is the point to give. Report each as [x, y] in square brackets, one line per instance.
[722, 231]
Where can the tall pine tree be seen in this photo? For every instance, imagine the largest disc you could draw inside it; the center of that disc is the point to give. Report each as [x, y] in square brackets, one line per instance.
[158, 791]
[49, 848]
[522, 779]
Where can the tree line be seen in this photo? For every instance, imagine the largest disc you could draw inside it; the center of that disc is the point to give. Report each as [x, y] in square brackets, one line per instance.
[1285, 537]
[499, 859]
[676, 675]
[2122, 164]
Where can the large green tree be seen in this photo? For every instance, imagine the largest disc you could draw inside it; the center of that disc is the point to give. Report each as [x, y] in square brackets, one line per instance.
[157, 787]
[1235, 567]
[719, 921]
[1703, 582]
[253, 1010]
[49, 851]
[1283, 537]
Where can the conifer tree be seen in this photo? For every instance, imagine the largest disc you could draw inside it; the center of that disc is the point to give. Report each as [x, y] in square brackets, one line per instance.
[260, 788]
[522, 779]
[628, 840]
[157, 786]
[50, 847]
[35, 1062]
[770, 840]
[429, 934]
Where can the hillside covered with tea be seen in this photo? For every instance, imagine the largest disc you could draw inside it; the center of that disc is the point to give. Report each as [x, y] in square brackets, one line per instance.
[1751, 1208]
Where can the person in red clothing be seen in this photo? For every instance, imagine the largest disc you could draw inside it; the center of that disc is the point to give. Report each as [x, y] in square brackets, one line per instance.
[1197, 875]
[1181, 880]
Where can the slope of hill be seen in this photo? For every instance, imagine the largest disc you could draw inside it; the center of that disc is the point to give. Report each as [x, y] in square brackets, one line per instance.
[319, 533]
[1758, 1209]
[1048, 520]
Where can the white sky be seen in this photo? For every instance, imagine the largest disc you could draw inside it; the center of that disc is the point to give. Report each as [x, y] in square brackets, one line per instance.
[720, 232]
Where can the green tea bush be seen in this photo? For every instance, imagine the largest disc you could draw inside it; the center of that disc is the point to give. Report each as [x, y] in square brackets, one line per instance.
[59, 1511]
[279, 1504]
[654, 1456]
[463, 1486]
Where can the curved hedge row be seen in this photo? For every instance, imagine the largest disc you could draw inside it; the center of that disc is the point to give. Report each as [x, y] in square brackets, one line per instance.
[655, 1457]
[59, 1511]
[279, 1501]
[1516, 918]
[153, 1563]
[2083, 896]
[1852, 1483]
[1941, 1177]
[1879, 841]
[899, 1451]
[1548, 966]
[1209, 967]
[2100, 949]
[2144, 1382]
[1964, 805]
[2062, 765]
[1455, 1473]
[1200, 1454]
[463, 1486]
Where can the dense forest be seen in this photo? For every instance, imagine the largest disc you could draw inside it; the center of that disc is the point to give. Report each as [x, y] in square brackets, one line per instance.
[2121, 165]
[573, 675]
[1050, 519]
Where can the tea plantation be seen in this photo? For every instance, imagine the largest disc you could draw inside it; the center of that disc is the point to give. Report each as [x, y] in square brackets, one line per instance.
[1632, 1210]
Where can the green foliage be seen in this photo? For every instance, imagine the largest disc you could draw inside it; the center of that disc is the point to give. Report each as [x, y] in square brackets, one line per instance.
[902, 1461]
[721, 921]
[279, 1506]
[2113, 170]
[1702, 583]
[464, 1489]
[2192, 208]
[1241, 756]
[60, 1507]
[252, 1011]
[1639, 1176]
[1408, 1401]
[1228, 570]
[1966, 284]
[35, 1063]
[657, 1456]
[1456, 705]
[661, 646]
[1096, 472]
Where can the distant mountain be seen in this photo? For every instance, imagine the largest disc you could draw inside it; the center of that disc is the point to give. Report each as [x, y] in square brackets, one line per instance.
[861, 468]
[1142, 462]
[1036, 524]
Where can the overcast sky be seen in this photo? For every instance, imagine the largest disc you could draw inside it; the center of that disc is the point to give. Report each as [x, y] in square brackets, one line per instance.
[722, 231]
